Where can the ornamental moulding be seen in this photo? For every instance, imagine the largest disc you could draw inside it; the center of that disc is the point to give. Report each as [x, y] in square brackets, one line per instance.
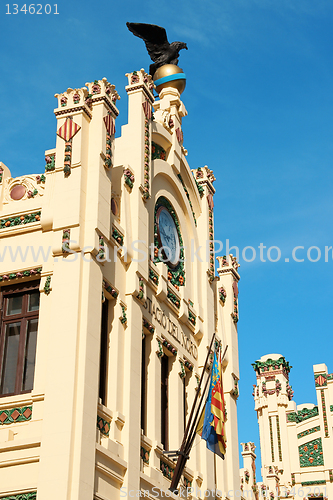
[23, 188]
[15, 415]
[20, 220]
[20, 274]
[271, 365]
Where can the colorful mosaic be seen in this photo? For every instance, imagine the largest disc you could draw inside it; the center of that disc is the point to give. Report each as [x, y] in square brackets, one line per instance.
[50, 162]
[271, 364]
[166, 469]
[271, 437]
[157, 152]
[20, 220]
[116, 235]
[279, 437]
[188, 197]
[20, 274]
[103, 426]
[144, 454]
[14, 415]
[308, 431]
[146, 183]
[175, 275]
[311, 453]
[47, 286]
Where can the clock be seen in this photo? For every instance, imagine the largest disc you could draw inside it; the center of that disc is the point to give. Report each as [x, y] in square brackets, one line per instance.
[168, 237]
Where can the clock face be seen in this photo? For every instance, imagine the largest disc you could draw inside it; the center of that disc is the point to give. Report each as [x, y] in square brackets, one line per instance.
[168, 236]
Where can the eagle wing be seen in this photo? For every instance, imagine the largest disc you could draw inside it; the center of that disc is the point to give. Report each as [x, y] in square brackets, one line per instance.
[154, 37]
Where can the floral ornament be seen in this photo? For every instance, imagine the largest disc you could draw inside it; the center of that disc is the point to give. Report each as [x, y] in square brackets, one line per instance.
[123, 317]
[153, 277]
[110, 289]
[76, 98]
[148, 326]
[65, 240]
[20, 274]
[173, 298]
[116, 235]
[166, 469]
[63, 101]
[40, 179]
[211, 270]
[140, 295]
[1, 174]
[129, 178]
[157, 152]
[222, 294]
[188, 197]
[159, 351]
[290, 392]
[182, 372]
[278, 387]
[68, 158]
[188, 365]
[135, 77]
[144, 454]
[89, 101]
[146, 183]
[50, 163]
[247, 476]
[32, 194]
[192, 318]
[47, 286]
[96, 89]
[170, 347]
[101, 251]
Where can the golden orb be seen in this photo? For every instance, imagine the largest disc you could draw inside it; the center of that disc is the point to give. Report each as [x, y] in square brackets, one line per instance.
[169, 75]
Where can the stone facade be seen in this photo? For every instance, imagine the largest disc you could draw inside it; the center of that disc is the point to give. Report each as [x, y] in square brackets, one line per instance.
[296, 442]
[84, 229]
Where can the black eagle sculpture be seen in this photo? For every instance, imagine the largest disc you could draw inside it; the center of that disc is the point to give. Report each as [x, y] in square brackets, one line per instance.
[160, 50]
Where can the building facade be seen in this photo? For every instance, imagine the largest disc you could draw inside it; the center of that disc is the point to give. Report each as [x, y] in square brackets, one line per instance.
[296, 441]
[103, 333]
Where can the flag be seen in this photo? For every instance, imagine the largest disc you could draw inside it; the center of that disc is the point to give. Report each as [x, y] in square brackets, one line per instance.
[211, 426]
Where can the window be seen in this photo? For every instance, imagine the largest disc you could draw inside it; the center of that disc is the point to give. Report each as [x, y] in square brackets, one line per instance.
[18, 338]
[164, 401]
[104, 352]
[143, 388]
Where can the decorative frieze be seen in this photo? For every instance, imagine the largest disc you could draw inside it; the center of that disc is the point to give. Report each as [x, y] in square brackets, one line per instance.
[302, 415]
[308, 431]
[103, 426]
[32, 495]
[330, 471]
[148, 326]
[14, 415]
[271, 365]
[182, 372]
[153, 276]
[1, 174]
[110, 289]
[170, 347]
[140, 295]
[146, 159]
[20, 220]
[290, 392]
[278, 386]
[235, 390]
[188, 365]
[117, 236]
[101, 248]
[247, 476]
[211, 269]
[311, 453]
[312, 483]
[144, 454]
[173, 298]
[20, 274]
[188, 197]
[159, 351]
[166, 469]
[192, 318]
[293, 480]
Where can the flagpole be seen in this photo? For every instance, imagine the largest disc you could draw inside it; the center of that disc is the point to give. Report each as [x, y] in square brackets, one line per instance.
[193, 429]
[181, 455]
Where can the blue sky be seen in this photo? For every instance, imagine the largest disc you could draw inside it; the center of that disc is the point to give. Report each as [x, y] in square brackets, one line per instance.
[260, 104]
